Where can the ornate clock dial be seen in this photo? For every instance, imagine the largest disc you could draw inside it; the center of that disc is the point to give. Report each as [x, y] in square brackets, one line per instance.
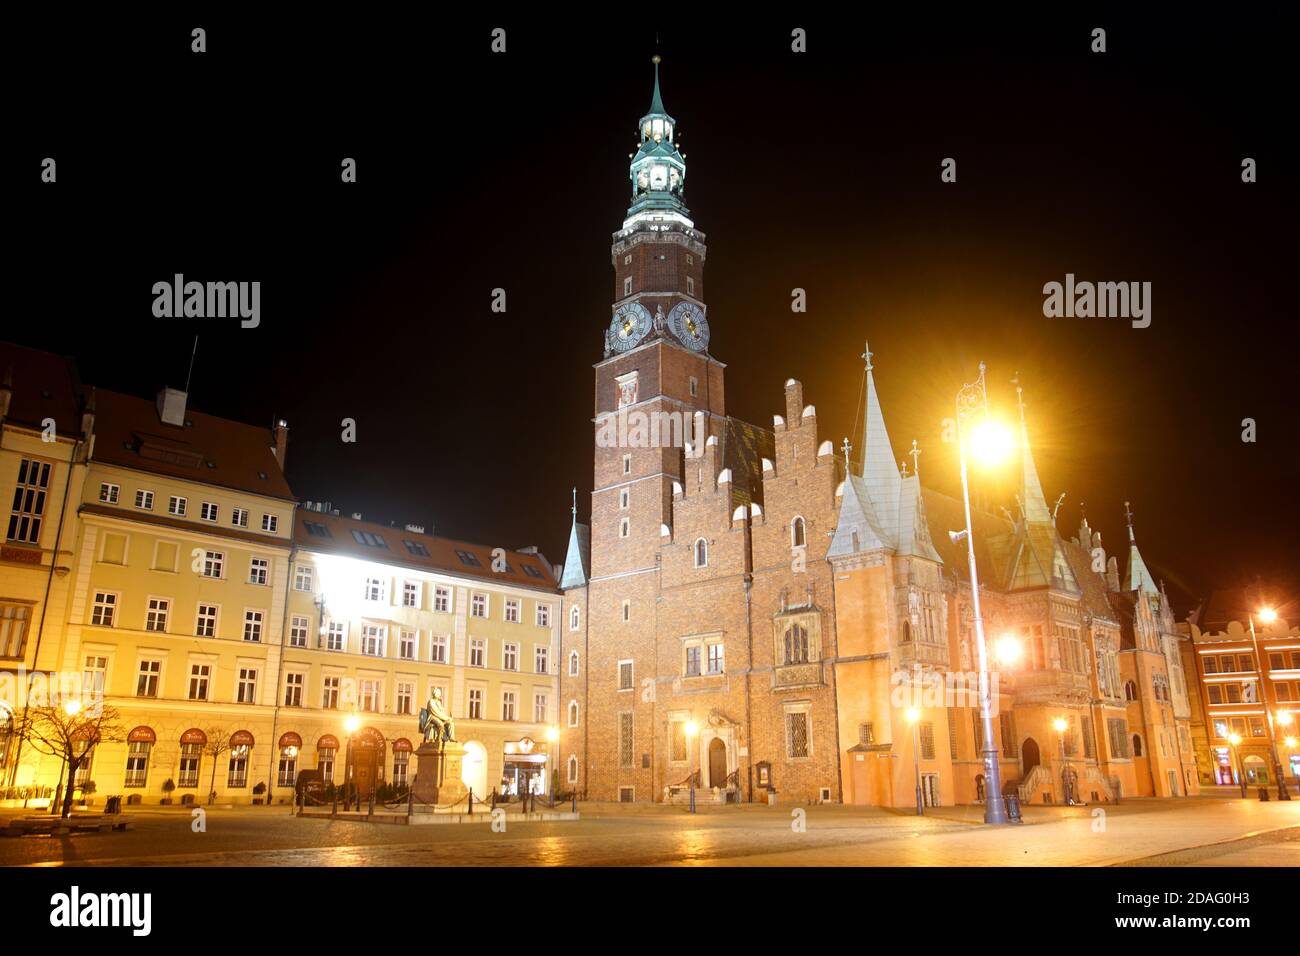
[631, 324]
[689, 325]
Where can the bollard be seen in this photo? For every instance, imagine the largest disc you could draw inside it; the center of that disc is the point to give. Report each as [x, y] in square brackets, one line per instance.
[410, 804]
[575, 801]
[471, 801]
[335, 811]
[370, 807]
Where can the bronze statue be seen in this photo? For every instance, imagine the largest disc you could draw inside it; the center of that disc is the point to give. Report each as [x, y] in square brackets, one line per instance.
[435, 720]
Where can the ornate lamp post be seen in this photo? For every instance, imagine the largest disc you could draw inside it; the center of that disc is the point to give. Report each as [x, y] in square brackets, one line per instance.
[914, 718]
[692, 728]
[1268, 616]
[1234, 740]
[1061, 725]
[971, 400]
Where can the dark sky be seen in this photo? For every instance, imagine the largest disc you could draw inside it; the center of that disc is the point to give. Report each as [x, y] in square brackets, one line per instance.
[818, 171]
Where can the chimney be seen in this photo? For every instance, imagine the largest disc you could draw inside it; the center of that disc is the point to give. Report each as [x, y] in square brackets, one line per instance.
[280, 432]
[88, 416]
[171, 407]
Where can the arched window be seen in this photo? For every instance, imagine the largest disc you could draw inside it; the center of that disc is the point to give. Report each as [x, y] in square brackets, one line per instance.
[797, 539]
[1130, 690]
[573, 769]
[573, 618]
[701, 553]
[573, 713]
[573, 663]
[1137, 746]
[796, 644]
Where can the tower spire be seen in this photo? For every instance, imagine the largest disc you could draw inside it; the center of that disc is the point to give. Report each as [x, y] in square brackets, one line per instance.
[1033, 504]
[1139, 578]
[657, 101]
[879, 466]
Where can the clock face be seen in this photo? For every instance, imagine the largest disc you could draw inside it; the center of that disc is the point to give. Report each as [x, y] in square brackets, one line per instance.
[689, 325]
[631, 323]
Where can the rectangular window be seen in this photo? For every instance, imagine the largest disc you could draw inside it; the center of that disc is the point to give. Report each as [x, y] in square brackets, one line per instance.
[293, 684]
[410, 594]
[715, 658]
[476, 703]
[478, 605]
[259, 570]
[371, 694]
[438, 649]
[624, 675]
[796, 732]
[539, 708]
[510, 657]
[208, 511]
[316, 529]
[624, 498]
[206, 624]
[679, 751]
[187, 775]
[441, 600]
[627, 464]
[95, 676]
[543, 615]
[329, 699]
[416, 548]
[137, 763]
[144, 500]
[176, 506]
[214, 564]
[302, 578]
[237, 776]
[508, 705]
[298, 628]
[375, 589]
[373, 639]
[200, 675]
[270, 523]
[29, 501]
[104, 611]
[477, 652]
[625, 740]
[401, 768]
[1216, 694]
[239, 517]
[1007, 730]
[468, 558]
[693, 660]
[253, 626]
[405, 695]
[146, 682]
[1117, 736]
[512, 610]
[13, 633]
[336, 636]
[541, 659]
[369, 540]
[406, 641]
[108, 493]
[925, 730]
[156, 616]
[325, 763]
[246, 686]
[627, 285]
[287, 772]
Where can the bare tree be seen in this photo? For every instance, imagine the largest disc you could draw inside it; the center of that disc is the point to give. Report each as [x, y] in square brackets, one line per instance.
[218, 744]
[69, 731]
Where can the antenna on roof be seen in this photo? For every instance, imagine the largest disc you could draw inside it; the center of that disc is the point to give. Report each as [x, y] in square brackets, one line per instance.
[190, 373]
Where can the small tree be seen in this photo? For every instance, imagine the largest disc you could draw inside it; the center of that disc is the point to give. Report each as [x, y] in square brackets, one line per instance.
[69, 730]
[168, 786]
[218, 744]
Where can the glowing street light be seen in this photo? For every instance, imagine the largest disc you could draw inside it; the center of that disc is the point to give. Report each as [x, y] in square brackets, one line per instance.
[991, 442]
[1061, 725]
[350, 724]
[1008, 650]
[72, 707]
[973, 399]
[692, 728]
[1234, 740]
[1268, 615]
[914, 717]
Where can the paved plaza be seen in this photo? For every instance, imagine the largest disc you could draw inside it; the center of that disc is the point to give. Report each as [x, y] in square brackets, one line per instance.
[1206, 831]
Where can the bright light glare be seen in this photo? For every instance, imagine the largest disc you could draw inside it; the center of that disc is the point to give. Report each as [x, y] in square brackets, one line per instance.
[1008, 649]
[991, 442]
[913, 715]
[1268, 615]
[1290, 743]
[692, 728]
[1284, 718]
[552, 734]
[1060, 725]
[352, 723]
[72, 707]
[1234, 739]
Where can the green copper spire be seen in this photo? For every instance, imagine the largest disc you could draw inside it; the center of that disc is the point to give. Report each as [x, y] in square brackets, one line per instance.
[656, 101]
[1139, 578]
[658, 170]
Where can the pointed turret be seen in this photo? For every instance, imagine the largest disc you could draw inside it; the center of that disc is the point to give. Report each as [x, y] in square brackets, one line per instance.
[577, 559]
[1139, 578]
[658, 170]
[879, 471]
[657, 101]
[1033, 504]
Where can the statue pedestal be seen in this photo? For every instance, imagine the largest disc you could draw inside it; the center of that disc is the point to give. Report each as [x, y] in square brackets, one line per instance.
[437, 775]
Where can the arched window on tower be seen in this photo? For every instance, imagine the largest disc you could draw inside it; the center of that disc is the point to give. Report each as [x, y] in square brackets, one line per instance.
[573, 618]
[573, 663]
[796, 645]
[797, 538]
[1137, 746]
[1130, 690]
[701, 553]
[573, 769]
[573, 713]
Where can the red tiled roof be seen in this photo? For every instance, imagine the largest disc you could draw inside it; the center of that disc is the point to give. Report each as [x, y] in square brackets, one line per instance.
[212, 450]
[442, 552]
[44, 386]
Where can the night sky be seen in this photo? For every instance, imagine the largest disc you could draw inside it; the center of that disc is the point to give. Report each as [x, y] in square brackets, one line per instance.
[817, 170]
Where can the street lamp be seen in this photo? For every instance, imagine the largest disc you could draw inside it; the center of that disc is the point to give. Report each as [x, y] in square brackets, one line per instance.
[692, 728]
[552, 737]
[1061, 725]
[1235, 741]
[350, 724]
[913, 717]
[988, 440]
[1008, 650]
[1268, 616]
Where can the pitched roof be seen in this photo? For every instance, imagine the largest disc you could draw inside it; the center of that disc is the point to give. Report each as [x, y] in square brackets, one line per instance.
[348, 536]
[215, 451]
[44, 386]
[578, 558]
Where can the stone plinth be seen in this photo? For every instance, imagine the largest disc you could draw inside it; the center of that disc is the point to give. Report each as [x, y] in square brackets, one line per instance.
[437, 775]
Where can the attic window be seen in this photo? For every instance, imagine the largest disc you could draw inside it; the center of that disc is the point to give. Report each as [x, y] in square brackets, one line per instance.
[416, 548]
[317, 530]
[262, 475]
[368, 539]
[211, 464]
[531, 571]
[467, 558]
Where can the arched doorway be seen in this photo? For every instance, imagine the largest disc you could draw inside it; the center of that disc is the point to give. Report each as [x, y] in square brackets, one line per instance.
[717, 763]
[473, 769]
[1029, 756]
[367, 761]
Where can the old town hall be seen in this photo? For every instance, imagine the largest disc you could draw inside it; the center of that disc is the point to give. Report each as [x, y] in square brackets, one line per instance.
[762, 611]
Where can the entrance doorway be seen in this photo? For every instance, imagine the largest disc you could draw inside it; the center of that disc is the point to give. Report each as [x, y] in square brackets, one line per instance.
[930, 789]
[1029, 756]
[717, 763]
[367, 761]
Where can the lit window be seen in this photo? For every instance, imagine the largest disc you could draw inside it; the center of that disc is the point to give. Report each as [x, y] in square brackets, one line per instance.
[441, 599]
[302, 578]
[543, 615]
[258, 570]
[479, 605]
[253, 626]
[298, 627]
[104, 611]
[246, 686]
